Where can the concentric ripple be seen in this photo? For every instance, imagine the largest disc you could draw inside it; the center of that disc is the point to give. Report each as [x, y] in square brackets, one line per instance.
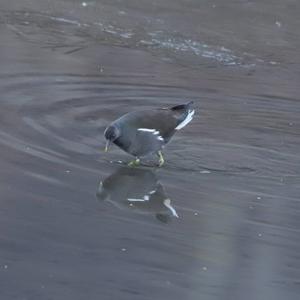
[62, 117]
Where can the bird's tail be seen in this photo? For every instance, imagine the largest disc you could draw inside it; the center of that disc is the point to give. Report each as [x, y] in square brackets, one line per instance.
[184, 114]
[182, 107]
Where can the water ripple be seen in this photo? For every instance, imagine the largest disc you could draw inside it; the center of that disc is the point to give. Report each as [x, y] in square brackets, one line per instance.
[84, 33]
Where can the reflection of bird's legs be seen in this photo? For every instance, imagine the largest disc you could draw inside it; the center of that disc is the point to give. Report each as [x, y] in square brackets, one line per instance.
[161, 160]
[134, 163]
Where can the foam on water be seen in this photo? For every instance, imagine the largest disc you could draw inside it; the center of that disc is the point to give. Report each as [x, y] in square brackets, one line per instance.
[219, 54]
[171, 43]
[64, 20]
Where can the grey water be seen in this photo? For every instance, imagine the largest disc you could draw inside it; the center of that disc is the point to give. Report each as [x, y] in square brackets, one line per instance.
[220, 220]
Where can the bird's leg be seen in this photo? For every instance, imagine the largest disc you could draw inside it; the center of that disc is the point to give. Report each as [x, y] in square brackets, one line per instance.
[161, 160]
[134, 163]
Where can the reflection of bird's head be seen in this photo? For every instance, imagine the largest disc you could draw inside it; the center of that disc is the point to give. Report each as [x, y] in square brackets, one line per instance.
[137, 190]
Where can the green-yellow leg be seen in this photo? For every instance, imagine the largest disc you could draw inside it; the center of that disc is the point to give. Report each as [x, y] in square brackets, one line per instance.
[161, 160]
[134, 163]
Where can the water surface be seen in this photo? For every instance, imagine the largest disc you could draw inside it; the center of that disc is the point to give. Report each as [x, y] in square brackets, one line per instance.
[220, 220]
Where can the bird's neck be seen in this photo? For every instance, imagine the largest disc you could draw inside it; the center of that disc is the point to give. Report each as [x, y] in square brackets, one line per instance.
[122, 143]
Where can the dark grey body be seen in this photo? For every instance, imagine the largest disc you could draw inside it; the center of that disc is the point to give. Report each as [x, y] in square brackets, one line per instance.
[132, 127]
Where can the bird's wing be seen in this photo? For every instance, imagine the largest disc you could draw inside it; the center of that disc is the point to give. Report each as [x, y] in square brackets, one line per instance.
[147, 140]
[162, 120]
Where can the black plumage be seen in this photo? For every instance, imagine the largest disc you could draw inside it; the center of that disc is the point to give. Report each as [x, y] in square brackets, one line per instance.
[144, 132]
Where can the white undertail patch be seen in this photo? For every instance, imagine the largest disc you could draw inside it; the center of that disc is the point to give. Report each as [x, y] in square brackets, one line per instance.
[187, 120]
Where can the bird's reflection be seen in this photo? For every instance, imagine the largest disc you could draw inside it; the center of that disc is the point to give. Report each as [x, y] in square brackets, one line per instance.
[137, 190]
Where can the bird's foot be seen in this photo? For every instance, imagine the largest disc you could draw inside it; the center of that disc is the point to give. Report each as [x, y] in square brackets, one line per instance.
[134, 163]
[161, 160]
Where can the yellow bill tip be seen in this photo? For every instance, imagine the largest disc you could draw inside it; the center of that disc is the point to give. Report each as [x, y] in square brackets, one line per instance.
[106, 146]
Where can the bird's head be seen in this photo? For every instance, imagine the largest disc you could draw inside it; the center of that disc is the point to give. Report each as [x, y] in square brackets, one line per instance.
[111, 133]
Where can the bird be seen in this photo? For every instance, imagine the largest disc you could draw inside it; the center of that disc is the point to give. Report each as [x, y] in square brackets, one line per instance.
[145, 132]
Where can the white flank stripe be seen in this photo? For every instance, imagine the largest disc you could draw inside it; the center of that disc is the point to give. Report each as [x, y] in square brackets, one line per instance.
[153, 131]
[147, 130]
[187, 120]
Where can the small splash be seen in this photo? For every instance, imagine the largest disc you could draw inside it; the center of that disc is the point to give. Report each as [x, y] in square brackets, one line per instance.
[63, 20]
[122, 13]
[126, 35]
[205, 172]
[116, 31]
